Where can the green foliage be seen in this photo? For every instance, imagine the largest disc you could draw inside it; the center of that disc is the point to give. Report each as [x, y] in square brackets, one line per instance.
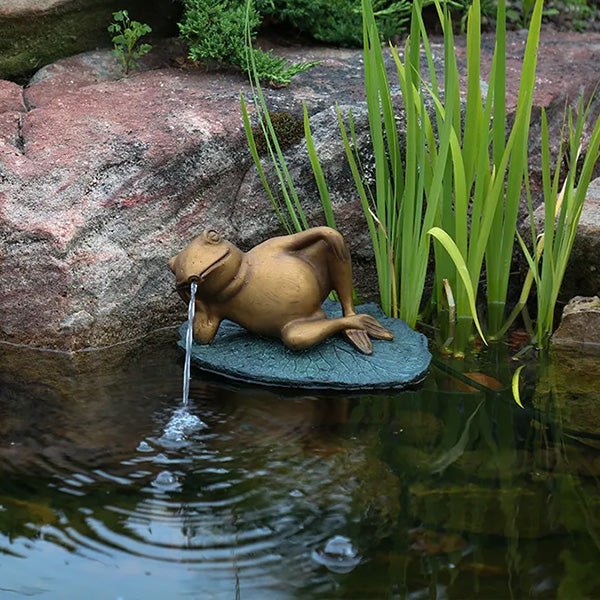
[215, 31]
[127, 35]
[569, 14]
[338, 21]
[482, 197]
[578, 12]
[486, 195]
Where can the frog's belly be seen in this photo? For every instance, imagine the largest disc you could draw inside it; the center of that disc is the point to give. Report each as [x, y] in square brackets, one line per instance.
[275, 294]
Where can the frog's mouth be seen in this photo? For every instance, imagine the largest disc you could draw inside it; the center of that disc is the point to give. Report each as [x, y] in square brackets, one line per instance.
[184, 287]
[217, 263]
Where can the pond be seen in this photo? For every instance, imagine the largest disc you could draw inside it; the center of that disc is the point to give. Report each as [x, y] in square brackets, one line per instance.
[110, 491]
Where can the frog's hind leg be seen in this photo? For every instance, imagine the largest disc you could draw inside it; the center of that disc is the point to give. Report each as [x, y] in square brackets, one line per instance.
[340, 276]
[304, 333]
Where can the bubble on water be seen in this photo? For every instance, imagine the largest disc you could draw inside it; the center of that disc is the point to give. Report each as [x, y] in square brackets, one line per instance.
[339, 555]
[144, 447]
[166, 481]
[296, 494]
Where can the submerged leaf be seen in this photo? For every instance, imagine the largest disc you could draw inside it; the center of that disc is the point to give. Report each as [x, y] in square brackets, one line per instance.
[444, 461]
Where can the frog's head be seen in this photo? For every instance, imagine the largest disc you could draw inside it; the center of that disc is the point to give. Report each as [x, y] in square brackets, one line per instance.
[209, 260]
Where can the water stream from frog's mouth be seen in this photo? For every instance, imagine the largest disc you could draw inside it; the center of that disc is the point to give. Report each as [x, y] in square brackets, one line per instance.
[182, 422]
[189, 338]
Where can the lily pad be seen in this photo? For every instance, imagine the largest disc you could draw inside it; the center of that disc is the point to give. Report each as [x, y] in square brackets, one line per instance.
[333, 364]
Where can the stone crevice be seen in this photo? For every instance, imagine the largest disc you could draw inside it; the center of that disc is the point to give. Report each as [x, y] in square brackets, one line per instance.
[19, 138]
[26, 104]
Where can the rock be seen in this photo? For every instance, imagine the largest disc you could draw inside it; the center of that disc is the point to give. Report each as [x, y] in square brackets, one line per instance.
[568, 388]
[106, 178]
[34, 33]
[103, 179]
[582, 277]
[580, 322]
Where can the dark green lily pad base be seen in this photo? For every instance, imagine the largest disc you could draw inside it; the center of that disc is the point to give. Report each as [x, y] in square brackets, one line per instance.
[334, 364]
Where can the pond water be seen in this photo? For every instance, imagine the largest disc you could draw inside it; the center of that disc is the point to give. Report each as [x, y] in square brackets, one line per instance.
[110, 490]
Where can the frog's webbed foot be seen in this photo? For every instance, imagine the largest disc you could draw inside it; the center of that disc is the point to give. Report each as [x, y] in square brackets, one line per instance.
[360, 339]
[369, 326]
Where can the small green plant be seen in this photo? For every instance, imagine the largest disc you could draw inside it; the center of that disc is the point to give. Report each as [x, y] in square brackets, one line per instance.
[289, 210]
[216, 32]
[126, 39]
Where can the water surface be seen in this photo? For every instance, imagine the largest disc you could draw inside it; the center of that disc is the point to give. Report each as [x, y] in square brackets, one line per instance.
[110, 489]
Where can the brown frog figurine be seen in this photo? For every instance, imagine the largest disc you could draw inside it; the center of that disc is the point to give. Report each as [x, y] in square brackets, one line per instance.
[275, 290]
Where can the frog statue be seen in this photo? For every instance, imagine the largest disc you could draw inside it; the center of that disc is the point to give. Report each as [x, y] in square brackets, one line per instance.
[274, 290]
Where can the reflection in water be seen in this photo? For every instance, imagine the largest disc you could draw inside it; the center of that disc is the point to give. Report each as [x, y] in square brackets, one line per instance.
[111, 489]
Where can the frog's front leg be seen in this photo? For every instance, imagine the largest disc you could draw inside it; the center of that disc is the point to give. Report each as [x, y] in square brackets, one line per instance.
[205, 324]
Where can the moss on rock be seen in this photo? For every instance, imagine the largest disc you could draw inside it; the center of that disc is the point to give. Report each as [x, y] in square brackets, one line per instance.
[288, 128]
[42, 33]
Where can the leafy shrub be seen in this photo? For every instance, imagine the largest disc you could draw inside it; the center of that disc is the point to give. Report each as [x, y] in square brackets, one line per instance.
[338, 21]
[567, 14]
[126, 39]
[215, 31]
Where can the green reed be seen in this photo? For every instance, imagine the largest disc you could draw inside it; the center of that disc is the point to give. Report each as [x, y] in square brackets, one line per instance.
[488, 165]
[290, 211]
[563, 204]
[457, 175]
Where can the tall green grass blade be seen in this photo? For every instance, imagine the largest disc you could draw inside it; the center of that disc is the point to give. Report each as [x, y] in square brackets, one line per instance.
[452, 249]
[261, 172]
[381, 263]
[474, 108]
[318, 172]
[498, 89]
[502, 235]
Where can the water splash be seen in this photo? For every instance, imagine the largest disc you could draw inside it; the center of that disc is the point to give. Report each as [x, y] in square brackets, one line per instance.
[181, 425]
[189, 338]
[339, 555]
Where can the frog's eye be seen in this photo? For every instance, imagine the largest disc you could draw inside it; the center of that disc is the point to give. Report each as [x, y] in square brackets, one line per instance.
[212, 236]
